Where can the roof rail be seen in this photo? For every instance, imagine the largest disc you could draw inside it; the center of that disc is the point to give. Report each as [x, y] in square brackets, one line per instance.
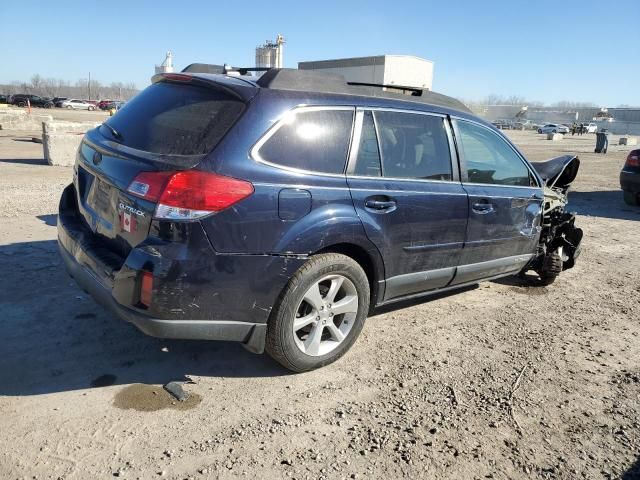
[323, 82]
[221, 69]
[314, 81]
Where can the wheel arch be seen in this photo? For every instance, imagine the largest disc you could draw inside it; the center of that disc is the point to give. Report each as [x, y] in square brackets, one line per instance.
[368, 259]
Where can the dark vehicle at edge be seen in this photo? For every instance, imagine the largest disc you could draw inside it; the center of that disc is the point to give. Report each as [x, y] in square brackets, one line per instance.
[20, 100]
[279, 215]
[630, 178]
[57, 101]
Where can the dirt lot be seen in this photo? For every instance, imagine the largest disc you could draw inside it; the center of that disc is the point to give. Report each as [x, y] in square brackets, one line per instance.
[501, 381]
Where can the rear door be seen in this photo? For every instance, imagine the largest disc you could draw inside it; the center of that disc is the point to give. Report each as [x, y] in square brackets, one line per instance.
[404, 184]
[505, 204]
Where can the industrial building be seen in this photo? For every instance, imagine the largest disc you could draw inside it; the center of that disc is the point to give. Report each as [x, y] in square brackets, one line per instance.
[167, 65]
[391, 70]
[270, 53]
[620, 121]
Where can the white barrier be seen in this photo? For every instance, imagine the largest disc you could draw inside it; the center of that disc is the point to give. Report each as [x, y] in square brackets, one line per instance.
[60, 148]
[20, 120]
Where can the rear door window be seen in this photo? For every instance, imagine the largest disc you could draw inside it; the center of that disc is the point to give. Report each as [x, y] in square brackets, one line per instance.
[368, 161]
[413, 146]
[175, 119]
[313, 140]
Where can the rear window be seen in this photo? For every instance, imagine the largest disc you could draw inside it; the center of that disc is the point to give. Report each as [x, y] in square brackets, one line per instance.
[175, 119]
[314, 140]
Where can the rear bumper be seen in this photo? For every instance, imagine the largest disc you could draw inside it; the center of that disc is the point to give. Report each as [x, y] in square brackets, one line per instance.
[198, 294]
[251, 334]
[630, 181]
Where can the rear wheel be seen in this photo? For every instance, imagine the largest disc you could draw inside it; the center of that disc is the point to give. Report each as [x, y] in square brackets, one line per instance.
[22, 104]
[91, 109]
[631, 198]
[319, 314]
[69, 107]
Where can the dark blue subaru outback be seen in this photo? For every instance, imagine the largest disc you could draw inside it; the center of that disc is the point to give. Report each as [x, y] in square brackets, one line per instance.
[278, 211]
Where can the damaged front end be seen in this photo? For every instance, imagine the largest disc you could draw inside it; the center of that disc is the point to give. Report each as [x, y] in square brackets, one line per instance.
[560, 239]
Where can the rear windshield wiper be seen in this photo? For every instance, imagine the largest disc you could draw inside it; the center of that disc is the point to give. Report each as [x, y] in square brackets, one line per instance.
[113, 131]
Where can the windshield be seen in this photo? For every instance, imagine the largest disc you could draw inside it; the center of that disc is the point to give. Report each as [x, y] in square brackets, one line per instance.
[174, 119]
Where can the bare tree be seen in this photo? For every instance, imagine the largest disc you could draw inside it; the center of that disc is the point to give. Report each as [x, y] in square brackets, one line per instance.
[56, 87]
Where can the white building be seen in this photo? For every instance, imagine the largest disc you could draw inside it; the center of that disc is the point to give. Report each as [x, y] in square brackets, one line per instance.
[392, 70]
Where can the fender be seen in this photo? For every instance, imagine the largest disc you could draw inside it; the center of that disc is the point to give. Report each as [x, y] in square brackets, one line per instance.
[327, 226]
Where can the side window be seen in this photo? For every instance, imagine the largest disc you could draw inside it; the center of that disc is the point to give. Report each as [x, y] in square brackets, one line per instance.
[489, 159]
[368, 161]
[315, 140]
[413, 146]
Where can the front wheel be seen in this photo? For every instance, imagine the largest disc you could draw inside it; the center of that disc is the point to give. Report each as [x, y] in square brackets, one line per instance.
[69, 107]
[320, 313]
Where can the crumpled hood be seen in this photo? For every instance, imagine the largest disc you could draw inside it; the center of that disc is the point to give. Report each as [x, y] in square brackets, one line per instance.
[558, 172]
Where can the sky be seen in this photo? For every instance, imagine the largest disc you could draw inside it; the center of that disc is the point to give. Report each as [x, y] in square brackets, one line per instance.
[542, 50]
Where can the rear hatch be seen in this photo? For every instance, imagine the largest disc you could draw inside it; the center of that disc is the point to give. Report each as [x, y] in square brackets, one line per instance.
[170, 126]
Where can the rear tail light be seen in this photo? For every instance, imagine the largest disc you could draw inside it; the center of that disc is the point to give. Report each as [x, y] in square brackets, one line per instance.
[633, 159]
[189, 194]
[146, 289]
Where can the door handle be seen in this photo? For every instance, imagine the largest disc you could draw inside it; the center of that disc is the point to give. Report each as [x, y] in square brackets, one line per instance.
[380, 205]
[483, 208]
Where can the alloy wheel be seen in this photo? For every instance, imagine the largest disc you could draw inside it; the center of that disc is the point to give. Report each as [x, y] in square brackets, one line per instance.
[325, 315]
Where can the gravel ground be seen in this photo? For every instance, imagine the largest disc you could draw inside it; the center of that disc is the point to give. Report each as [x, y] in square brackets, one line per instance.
[503, 381]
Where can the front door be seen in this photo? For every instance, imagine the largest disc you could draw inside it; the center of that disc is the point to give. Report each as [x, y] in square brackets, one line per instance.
[406, 190]
[505, 204]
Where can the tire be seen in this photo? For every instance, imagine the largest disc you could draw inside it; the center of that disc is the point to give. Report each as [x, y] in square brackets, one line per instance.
[320, 272]
[21, 104]
[551, 268]
[539, 130]
[69, 107]
[91, 109]
[47, 105]
[631, 198]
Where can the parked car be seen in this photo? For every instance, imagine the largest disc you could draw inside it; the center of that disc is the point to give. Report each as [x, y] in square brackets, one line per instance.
[78, 104]
[21, 100]
[57, 101]
[553, 128]
[503, 124]
[525, 125]
[114, 106]
[630, 178]
[277, 213]
[591, 127]
[102, 104]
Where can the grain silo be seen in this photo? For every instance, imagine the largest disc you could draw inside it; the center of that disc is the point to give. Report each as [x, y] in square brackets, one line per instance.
[269, 55]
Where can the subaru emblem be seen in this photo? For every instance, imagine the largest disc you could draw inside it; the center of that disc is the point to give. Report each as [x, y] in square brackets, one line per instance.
[97, 158]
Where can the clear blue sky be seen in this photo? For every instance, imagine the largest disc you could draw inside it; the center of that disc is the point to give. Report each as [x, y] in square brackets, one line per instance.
[579, 50]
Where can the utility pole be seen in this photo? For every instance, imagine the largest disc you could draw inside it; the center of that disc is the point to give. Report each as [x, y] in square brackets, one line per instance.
[89, 85]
